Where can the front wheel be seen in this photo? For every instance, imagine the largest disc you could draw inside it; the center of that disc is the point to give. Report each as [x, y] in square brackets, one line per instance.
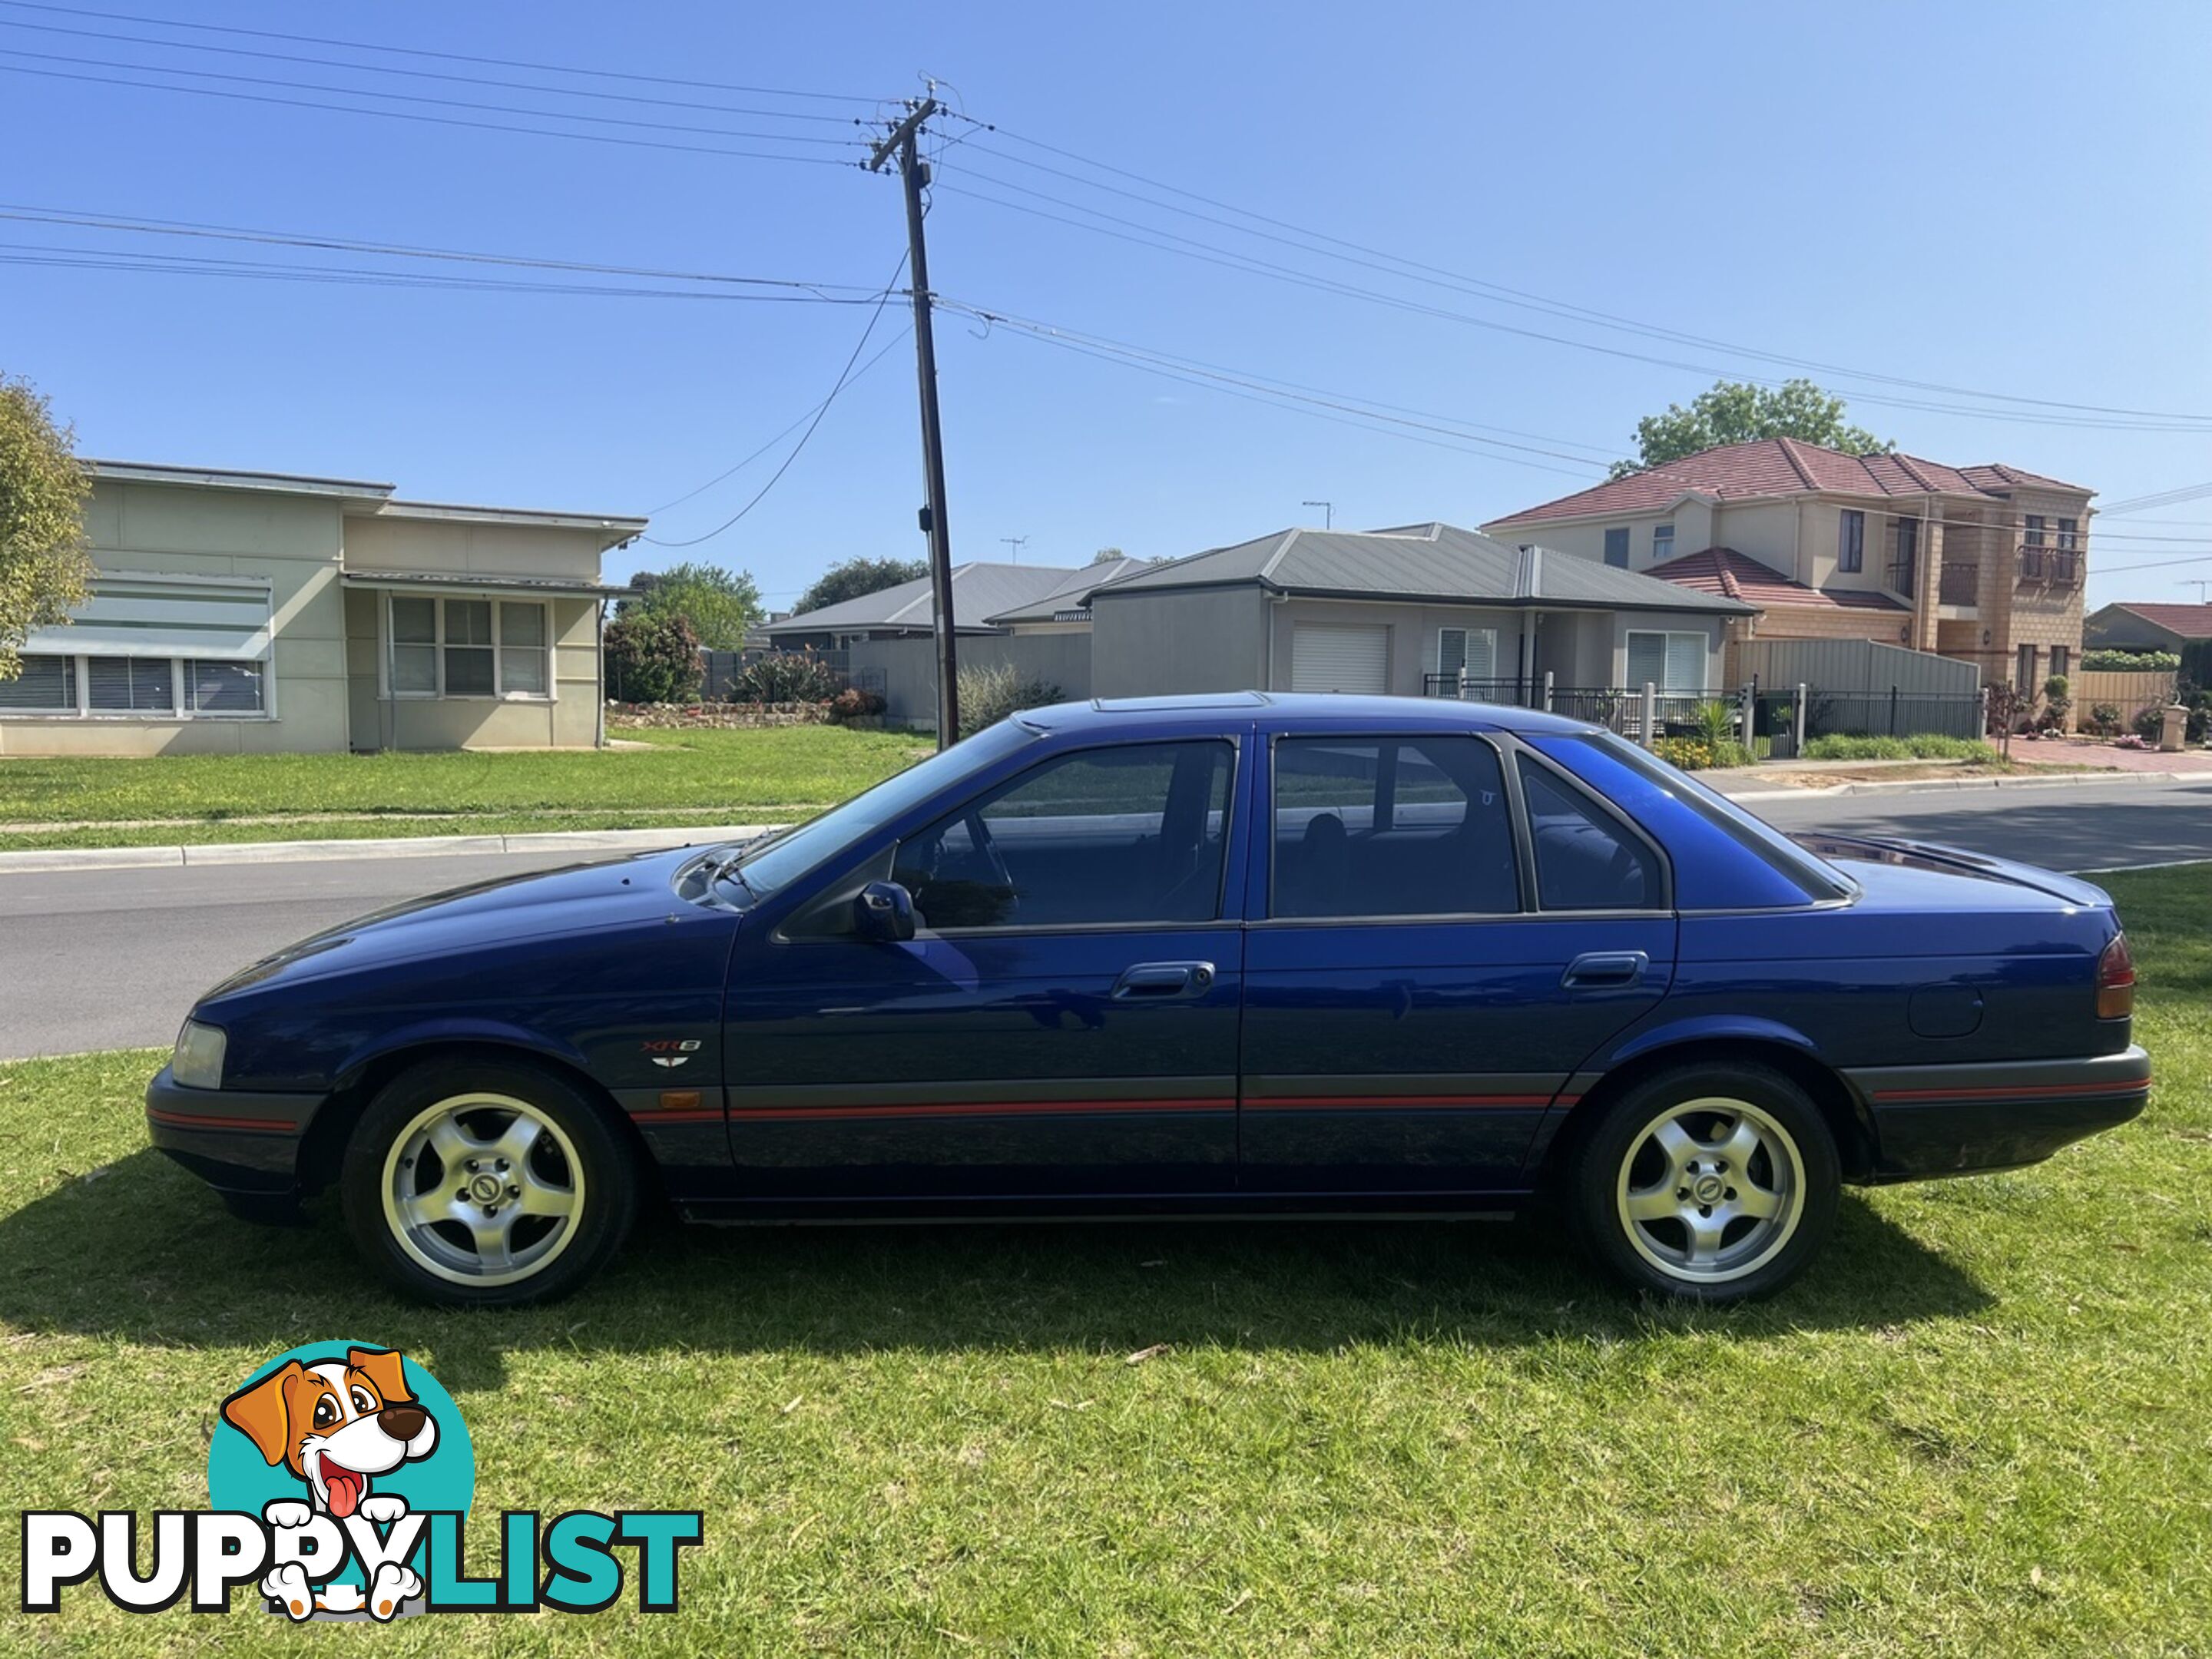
[1708, 1183]
[483, 1183]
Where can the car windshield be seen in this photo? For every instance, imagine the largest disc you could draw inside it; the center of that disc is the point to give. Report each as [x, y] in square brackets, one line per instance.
[770, 863]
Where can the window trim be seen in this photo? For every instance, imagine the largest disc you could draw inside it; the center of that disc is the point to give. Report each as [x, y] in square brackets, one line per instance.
[390, 644]
[976, 803]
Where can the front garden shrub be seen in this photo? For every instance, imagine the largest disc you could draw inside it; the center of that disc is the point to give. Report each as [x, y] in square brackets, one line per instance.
[991, 692]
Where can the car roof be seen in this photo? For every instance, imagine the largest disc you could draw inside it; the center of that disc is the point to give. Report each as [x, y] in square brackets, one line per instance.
[1286, 710]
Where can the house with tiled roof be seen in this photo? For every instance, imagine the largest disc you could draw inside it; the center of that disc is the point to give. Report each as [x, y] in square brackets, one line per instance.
[1986, 563]
[2130, 625]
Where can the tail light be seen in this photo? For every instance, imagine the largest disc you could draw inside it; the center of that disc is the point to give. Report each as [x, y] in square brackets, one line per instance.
[2116, 981]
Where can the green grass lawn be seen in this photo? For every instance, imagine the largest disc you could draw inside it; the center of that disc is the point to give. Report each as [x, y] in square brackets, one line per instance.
[1982, 1426]
[681, 777]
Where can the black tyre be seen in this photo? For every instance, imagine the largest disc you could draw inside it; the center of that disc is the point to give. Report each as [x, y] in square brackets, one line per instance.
[487, 1184]
[1712, 1183]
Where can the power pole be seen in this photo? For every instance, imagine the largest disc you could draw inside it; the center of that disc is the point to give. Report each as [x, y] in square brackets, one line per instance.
[903, 142]
[1018, 543]
[2201, 587]
[1328, 512]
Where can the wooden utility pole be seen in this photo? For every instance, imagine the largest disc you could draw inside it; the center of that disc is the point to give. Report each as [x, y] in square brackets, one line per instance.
[903, 142]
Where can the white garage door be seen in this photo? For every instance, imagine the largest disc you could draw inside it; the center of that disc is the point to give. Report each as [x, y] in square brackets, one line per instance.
[1333, 657]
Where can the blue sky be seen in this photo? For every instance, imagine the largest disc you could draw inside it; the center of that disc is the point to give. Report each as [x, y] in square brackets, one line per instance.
[2006, 199]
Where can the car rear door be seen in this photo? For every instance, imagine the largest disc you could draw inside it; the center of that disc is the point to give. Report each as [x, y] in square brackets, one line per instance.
[1422, 978]
[1062, 1024]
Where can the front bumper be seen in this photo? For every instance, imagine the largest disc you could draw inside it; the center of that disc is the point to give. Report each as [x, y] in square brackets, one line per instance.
[235, 1141]
[1932, 1120]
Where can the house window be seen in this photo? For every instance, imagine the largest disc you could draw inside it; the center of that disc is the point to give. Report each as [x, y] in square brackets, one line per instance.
[1662, 543]
[2035, 535]
[124, 653]
[1616, 547]
[48, 685]
[1850, 544]
[86, 686]
[469, 647]
[2024, 669]
[1672, 662]
[1472, 651]
[2068, 534]
[2061, 660]
[1904, 559]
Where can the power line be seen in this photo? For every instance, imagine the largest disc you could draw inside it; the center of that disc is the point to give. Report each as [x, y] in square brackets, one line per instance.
[86, 219]
[1414, 270]
[425, 98]
[845, 377]
[1211, 254]
[443, 56]
[432, 120]
[731, 471]
[426, 74]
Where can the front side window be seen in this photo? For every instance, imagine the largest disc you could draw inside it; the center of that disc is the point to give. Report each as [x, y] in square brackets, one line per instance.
[1850, 541]
[1904, 565]
[1132, 836]
[1662, 543]
[1416, 826]
[468, 648]
[1472, 651]
[1586, 858]
[522, 649]
[2024, 669]
[1616, 547]
[2070, 530]
[224, 688]
[124, 684]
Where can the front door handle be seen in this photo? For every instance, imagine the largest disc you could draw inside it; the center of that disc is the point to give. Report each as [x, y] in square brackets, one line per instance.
[1155, 980]
[1595, 971]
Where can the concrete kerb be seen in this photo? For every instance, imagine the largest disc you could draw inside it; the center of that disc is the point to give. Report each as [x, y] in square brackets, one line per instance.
[1926, 786]
[300, 852]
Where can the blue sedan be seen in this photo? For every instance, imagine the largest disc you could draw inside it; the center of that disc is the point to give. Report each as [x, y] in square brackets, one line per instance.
[1233, 954]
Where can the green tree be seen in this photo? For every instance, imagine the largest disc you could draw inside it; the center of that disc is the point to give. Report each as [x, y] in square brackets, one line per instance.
[44, 566]
[719, 604]
[1736, 412]
[1107, 555]
[855, 577]
[651, 660]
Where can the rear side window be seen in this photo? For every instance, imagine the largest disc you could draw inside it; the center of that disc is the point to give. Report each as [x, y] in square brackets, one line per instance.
[1586, 858]
[1391, 826]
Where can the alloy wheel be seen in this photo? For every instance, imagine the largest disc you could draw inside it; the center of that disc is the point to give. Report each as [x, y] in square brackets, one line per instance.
[483, 1189]
[1710, 1190]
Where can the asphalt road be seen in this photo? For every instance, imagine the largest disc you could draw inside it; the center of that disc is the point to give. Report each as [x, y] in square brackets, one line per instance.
[113, 958]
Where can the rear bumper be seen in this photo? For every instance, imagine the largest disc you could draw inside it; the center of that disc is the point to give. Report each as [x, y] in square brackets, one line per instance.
[234, 1141]
[1957, 1120]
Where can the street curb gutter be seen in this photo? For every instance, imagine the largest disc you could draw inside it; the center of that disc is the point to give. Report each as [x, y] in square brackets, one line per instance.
[1940, 786]
[303, 851]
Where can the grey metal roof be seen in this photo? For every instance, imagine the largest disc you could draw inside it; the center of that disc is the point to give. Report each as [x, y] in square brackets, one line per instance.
[1072, 594]
[980, 592]
[1432, 564]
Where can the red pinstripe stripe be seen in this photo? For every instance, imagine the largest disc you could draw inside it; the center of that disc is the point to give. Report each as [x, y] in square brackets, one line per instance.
[1325, 1101]
[267, 1125]
[971, 1109]
[2017, 1091]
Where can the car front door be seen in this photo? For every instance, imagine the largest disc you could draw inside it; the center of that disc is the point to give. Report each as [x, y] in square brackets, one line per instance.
[1420, 981]
[1063, 1022]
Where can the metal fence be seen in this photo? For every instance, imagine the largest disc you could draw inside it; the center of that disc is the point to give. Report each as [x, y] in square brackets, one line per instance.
[1766, 719]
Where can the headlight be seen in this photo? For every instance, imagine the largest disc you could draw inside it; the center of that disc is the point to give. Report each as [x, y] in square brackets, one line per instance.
[197, 1061]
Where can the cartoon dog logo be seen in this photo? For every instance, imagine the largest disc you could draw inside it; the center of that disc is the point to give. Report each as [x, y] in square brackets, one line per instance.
[337, 1426]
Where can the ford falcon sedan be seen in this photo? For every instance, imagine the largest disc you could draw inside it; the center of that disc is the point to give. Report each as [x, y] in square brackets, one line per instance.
[1233, 954]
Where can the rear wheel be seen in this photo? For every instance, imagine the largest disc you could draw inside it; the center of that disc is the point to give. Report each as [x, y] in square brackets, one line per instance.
[1712, 1183]
[487, 1184]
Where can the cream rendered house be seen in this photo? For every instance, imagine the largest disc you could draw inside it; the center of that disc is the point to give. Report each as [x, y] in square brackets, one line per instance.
[246, 612]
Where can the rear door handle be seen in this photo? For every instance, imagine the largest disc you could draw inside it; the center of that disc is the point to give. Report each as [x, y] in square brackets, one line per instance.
[1155, 980]
[1605, 970]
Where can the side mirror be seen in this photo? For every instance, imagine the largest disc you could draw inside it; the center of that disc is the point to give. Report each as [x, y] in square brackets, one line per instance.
[883, 913]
